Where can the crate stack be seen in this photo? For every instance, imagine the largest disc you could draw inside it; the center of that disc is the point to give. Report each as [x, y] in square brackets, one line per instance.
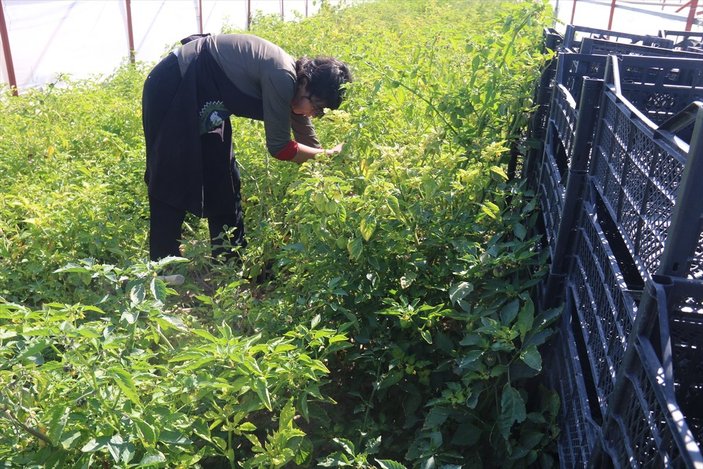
[619, 176]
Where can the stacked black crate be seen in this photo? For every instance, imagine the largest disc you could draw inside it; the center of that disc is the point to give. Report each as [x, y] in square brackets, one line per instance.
[598, 267]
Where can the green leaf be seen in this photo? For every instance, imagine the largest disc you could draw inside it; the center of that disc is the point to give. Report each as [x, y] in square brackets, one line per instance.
[490, 209]
[545, 318]
[429, 463]
[469, 359]
[261, 388]
[389, 464]
[532, 358]
[145, 431]
[206, 335]
[498, 171]
[373, 445]
[69, 440]
[509, 312]
[346, 445]
[285, 419]
[303, 404]
[120, 450]
[472, 339]
[466, 434]
[7, 334]
[539, 338]
[436, 417]
[95, 444]
[247, 427]
[167, 322]
[130, 317]
[426, 335]
[512, 409]
[315, 321]
[525, 318]
[519, 231]
[367, 227]
[159, 289]
[355, 247]
[88, 332]
[152, 458]
[531, 438]
[125, 382]
[137, 294]
[57, 423]
[393, 204]
[407, 280]
[174, 438]
[459, 291]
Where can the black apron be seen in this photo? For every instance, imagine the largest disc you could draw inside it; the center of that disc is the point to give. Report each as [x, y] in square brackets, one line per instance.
[188, 135]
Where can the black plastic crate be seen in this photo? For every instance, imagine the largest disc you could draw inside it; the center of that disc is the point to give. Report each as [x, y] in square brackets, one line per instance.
[604, 304]
[552, 193]
[680, 344]
[573, 67]
[645, 427]
[551, 40]
[595, 46]
[574, 35]
[555, 161]
[683, 39]
[541, 99]
[559, 138]
[657, 87]
[636, 168]
[579, 431]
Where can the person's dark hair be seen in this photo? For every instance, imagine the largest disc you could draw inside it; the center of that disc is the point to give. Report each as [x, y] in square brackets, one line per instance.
[325, 78]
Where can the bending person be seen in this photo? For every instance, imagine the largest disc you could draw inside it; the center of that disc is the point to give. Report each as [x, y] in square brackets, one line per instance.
[186, 104]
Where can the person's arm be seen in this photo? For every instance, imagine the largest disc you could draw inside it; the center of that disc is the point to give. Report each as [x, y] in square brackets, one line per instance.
[304, 130]
[305, 152]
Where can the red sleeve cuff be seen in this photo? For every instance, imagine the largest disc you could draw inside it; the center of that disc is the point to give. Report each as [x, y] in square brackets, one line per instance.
[288, 152]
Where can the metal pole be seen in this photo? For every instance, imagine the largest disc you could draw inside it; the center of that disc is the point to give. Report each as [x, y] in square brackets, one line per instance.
[612, 13]
[5, 37]
[573, 13]
[282, 14]
[306, 8]
[200, 16]
[130, 32]
[248, 15]
[691, 14]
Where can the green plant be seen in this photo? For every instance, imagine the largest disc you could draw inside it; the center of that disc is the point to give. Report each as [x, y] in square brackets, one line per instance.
[382, 311]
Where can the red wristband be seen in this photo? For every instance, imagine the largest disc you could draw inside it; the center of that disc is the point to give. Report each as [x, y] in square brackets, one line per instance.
[288, 152]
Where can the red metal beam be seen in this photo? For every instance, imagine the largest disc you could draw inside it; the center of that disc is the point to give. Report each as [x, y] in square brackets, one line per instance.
[612, 13]
[573, 13]
[691, 14]
[130, 31]
[7, 52]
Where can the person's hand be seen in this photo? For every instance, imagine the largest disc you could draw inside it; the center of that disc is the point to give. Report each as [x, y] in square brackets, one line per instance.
[334, 151]
[305, 152]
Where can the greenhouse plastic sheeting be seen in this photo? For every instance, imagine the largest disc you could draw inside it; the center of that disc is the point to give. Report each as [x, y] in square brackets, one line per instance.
[83, 38]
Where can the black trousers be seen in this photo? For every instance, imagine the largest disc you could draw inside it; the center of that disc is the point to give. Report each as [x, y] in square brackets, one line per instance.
[165, 231]
[221, 180]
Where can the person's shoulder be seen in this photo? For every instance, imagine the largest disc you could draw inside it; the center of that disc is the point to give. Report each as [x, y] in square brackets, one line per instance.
[241, 38]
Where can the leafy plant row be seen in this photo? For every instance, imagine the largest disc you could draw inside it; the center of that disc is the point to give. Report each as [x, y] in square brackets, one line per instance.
[381, 315]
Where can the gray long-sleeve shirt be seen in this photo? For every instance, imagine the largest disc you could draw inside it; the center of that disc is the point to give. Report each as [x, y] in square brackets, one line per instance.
[262, 70]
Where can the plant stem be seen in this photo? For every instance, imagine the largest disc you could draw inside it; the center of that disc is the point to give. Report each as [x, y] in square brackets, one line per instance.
[35, 433]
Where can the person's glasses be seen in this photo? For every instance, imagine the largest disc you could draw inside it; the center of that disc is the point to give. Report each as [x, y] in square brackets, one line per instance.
[316, 108]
